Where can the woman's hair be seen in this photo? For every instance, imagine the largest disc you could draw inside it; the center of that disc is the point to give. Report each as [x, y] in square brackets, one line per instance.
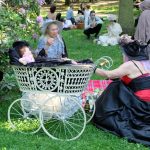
[52, 8]
[88, 6]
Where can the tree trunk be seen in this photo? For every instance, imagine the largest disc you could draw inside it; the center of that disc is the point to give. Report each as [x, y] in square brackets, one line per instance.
[126, 17]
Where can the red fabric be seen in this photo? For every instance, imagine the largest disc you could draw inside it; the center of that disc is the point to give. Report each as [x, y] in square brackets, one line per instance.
[102, 84]
[142, 94]
[97, 84]
[126, 80]
[92, 85]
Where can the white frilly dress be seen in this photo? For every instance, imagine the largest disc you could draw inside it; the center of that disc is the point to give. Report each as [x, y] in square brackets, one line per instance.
[112, 37]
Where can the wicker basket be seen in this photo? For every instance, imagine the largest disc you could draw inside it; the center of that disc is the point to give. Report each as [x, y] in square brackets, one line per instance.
[80, 26]
[71, 79]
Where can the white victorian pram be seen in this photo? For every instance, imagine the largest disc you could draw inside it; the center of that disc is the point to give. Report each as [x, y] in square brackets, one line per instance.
[51, 100]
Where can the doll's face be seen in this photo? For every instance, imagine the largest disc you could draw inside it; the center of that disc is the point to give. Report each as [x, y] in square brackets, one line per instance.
[23, 50]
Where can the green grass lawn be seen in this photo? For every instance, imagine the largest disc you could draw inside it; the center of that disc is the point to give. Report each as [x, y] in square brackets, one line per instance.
[92, 139]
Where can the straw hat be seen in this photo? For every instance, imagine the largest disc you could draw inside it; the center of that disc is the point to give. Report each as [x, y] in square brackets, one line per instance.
[48, 22]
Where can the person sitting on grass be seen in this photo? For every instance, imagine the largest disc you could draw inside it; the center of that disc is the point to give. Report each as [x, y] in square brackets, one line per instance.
[51, 41]
[70, 14]
[124, 107]
[114, 30]
[67, 24]
[81, 9]
[51, 14]
[93, 25]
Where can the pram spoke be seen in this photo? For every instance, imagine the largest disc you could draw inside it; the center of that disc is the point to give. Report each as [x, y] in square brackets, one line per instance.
[23, 119]
[68, 119]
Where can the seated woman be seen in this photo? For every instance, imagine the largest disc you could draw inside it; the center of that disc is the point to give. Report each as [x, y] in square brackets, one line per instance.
[114, 30]
[51, 41]
[67, 24]
[124, 107]
[81, 9]
[51, 14]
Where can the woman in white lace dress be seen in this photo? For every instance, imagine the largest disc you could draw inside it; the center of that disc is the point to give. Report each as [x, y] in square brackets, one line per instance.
[114, 30]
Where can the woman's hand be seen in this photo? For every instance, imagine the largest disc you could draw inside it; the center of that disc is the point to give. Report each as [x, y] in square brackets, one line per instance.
[74, 62]
[50, 41]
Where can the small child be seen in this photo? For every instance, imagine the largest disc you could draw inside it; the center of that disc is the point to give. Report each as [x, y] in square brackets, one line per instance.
[26, 56]
[21, 53]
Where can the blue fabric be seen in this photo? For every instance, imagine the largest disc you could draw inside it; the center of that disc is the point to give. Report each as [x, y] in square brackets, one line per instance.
[56, 50]
[70, 14]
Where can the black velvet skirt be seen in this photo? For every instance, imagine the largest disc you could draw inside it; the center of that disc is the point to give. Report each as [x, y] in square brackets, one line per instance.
[120, 112]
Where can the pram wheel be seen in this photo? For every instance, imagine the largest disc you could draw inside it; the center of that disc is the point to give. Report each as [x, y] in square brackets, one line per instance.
[63, 118]
[22, 116]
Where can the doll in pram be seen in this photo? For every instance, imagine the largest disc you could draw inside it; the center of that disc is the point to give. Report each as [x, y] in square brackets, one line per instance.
[51, 98]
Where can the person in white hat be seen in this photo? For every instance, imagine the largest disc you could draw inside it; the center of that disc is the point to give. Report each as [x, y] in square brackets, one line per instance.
[114, 30]
[51, 41]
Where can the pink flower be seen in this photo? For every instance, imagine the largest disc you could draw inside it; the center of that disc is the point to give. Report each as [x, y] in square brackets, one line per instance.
[39, 19]
[22, 11]
[35, 36]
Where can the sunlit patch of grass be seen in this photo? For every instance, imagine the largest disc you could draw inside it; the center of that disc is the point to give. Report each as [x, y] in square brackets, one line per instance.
[110, 9]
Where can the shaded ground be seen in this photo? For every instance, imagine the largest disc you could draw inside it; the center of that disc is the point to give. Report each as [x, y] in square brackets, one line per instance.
[102, 7]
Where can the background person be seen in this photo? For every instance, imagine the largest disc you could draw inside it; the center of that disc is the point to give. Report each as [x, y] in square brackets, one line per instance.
[81, 9]
[86, 13]
[143, 28]
[70, 14]
[52, 14]
[114, 30]
[124, 107]
[51, 41]
[93, 25]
